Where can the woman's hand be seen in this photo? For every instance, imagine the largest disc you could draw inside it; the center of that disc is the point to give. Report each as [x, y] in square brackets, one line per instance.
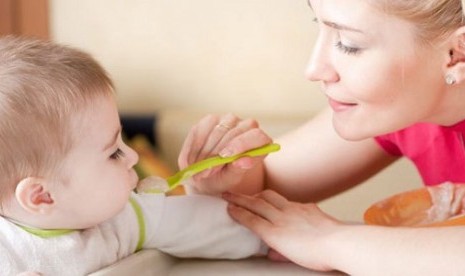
[225, 135]
[296, 231]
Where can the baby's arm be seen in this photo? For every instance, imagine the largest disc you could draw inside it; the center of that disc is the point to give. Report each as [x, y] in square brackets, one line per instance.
[199, 226]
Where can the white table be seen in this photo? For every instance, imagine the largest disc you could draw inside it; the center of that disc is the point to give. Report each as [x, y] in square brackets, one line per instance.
[153, 262]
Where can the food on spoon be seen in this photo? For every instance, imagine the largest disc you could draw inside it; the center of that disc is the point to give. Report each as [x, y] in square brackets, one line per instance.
[152, 185]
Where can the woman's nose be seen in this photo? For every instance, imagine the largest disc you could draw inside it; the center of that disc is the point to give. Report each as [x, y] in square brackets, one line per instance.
[320, 66]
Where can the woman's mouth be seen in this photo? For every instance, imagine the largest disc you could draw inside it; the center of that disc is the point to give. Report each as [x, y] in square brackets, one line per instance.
[339, 106]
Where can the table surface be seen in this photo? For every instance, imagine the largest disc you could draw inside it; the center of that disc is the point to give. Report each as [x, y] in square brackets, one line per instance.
[154, 262]
[253, 266]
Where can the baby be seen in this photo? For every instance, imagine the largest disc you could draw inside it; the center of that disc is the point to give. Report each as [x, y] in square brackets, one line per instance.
[66, 195]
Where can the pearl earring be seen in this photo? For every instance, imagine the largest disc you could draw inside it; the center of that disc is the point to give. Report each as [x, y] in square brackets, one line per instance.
[450, 79]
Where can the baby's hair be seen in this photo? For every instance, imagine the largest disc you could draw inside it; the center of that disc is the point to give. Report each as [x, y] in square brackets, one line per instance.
[42, 86]
[434, 19]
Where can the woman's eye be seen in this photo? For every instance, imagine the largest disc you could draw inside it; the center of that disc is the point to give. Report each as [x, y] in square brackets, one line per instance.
[117, 154]
[346, 49]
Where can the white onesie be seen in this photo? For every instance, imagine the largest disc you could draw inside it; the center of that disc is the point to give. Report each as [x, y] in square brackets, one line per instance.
[183, 226]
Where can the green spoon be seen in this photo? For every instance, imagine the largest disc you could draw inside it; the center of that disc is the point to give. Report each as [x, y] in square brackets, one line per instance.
[156, 184]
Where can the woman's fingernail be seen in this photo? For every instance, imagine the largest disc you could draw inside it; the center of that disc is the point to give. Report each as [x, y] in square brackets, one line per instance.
[226, 153]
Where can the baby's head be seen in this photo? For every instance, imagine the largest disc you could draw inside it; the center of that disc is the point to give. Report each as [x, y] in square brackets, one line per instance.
[56, 104]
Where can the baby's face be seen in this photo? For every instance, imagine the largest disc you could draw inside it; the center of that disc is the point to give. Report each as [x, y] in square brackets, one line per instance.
[98, 174]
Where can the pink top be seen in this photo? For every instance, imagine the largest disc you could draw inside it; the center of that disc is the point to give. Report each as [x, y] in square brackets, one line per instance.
[438, 152]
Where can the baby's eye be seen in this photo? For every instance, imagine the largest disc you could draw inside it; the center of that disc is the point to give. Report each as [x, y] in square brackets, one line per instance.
[117, 154]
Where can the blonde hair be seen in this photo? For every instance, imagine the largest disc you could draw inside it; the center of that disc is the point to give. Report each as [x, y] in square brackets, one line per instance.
[434, 19]
[42, 86]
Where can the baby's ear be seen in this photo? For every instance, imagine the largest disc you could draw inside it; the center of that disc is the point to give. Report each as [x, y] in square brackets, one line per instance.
[33, 196]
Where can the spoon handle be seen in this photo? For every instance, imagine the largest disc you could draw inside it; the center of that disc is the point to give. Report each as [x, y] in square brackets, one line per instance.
[176, 179]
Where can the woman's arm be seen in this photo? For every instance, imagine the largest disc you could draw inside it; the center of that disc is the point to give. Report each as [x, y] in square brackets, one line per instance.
[315, 163]
[370, 250]
[307, 236]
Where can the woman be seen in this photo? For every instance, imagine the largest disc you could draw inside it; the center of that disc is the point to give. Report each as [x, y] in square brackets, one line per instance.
[394, 76]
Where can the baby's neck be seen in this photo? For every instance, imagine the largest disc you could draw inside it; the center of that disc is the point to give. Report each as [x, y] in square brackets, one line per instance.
[17, 215]
[43, 233]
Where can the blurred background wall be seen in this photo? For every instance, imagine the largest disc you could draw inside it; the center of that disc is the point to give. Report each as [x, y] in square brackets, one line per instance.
[211, 55]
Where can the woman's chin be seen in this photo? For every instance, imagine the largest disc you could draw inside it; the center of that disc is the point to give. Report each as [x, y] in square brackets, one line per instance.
[349, 133]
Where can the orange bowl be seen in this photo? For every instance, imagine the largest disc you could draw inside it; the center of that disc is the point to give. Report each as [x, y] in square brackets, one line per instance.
[419, 208]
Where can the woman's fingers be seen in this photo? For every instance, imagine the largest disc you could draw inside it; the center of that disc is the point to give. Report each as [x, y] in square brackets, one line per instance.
[287, 227]
[220, 132]
[225, 135]
[248, 136]
[241, 127]
[195, 140]
[258, 205]
[249, 219]
[203, 138]
[275, 199]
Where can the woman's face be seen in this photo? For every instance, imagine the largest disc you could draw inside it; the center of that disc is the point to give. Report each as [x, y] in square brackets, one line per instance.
[377, 78]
